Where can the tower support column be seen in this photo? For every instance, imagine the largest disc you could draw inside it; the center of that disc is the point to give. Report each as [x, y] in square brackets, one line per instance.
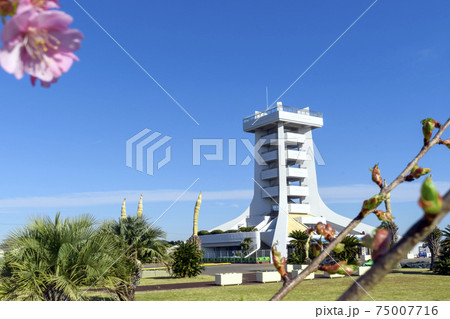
[280, 236]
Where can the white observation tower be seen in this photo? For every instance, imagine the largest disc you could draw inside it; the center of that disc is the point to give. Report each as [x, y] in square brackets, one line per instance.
[286, 196]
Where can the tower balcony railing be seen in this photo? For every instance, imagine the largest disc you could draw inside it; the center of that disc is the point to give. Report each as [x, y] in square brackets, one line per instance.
[269, 173]
[270, 192]
[290, 138]
[299, 208]
[291, 173]
[270, 136]
[296, 156]
[294, 138]
[284, 108]
[295, 172]
[270, 156]
[297, 191]
[291, 155]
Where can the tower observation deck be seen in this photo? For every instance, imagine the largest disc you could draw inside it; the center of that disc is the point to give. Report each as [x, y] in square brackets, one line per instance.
[286, 196]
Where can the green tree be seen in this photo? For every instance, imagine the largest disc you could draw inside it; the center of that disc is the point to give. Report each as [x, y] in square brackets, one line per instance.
[445, 243]
[299, 243]
[246, 245]
[140, 242]
[52, 259]
[351, 249]
[187, 260]
[392, 228]
[299, 239]
[433, 242]
[442, 267]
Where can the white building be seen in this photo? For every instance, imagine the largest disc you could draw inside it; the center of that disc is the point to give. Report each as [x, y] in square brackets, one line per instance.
[285, 197]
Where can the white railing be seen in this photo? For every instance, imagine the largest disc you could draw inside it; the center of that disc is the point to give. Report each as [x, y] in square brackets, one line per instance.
[285, 109]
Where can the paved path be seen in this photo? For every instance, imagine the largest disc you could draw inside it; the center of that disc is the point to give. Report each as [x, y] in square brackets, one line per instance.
[242, 268]
[247, 279]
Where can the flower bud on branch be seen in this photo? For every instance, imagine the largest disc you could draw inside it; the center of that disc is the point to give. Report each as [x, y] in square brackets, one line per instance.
[367, 241]
[339, 248]
[416, 172]
[376, 175]
[372, 203]
[7, 8]
[327, 231]
[384, 216]
[428, 126]
[341, 268]
[279, 263]
[445, 142]
[316, 249]
[380, 244]
[430, 200]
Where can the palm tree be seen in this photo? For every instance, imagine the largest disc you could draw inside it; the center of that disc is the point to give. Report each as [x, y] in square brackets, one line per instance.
[300, 244]
[246, 245]
[443, 265]
[392, 228]
[52, 259]
[299, 239]
[433, 242]
[350, 251]
[140, 242]
[445, 243]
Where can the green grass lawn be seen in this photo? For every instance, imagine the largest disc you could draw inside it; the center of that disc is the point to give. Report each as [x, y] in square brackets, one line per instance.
[404, 284]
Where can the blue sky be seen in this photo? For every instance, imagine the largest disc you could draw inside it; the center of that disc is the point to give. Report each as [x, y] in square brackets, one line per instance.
[63, 149]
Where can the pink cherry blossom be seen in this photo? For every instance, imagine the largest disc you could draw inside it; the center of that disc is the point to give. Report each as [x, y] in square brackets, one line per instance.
[37, 5]
[40, 44]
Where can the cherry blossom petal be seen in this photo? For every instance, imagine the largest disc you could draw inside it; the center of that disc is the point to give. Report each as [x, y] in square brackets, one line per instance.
[16, 26]
[10, 60]
[25, 5]
[70, 39]
[51, 20]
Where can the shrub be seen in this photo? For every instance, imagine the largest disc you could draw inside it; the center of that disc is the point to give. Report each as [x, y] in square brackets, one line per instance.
[350, 252]
[216, 231]
[246, 245]
[203, 232]
[298, 242]
[297, 258]
[54, 259]
[247, 229]
[231, 231]
[187, 259]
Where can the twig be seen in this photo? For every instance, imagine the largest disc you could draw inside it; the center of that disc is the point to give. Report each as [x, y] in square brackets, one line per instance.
[422, 152]
[291, 284]
[385, 264]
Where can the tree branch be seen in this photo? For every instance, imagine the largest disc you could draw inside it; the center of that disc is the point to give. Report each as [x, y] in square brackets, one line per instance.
[291, 284]
[385, 264]
[423, 151]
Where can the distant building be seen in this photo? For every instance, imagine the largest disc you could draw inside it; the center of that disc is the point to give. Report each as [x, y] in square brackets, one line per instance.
[285, 197]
